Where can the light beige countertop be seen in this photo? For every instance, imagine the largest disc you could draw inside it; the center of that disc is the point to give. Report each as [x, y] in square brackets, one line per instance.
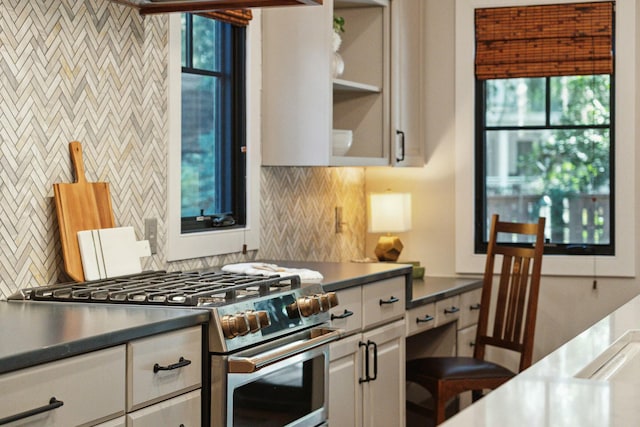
[554, 392]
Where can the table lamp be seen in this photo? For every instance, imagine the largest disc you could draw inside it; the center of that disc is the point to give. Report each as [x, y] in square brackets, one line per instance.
[389, 213]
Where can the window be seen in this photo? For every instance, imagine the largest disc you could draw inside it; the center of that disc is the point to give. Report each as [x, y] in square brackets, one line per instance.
[213, 124]
[214, 132]
[544, 123]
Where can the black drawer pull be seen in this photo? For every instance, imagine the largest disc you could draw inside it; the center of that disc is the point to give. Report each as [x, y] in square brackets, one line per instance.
[53, 404]
[344, 315]
[475, 306]
[451, 310]
[389, 301]
[179, 364]
[424, 319]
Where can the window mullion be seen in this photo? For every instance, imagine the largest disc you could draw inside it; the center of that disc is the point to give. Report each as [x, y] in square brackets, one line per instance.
[189, 41]
[547, 91]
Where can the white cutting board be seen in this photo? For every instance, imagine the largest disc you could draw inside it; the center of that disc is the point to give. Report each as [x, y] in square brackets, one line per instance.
[111, 252]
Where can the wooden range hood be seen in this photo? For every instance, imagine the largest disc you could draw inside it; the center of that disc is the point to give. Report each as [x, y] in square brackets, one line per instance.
[168, 6]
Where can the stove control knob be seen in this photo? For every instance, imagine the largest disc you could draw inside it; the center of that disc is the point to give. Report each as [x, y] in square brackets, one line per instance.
[242, 323]
[258, 320]
[234, 325]
[327, 300]
[309, 306]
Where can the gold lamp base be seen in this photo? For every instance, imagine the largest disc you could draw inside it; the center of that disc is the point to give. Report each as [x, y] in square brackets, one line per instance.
[388, 248]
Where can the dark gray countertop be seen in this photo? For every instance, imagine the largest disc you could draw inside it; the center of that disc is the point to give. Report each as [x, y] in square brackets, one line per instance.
[35, 332]
[342, 275]
[339, 276]
[432, 289]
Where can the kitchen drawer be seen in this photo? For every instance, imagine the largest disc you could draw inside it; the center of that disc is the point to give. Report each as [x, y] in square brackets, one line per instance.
[347, 315]
[447, 310]
[383, 301]
[466, 341]
[421, 318]
[469, 308]
[177, 354]
[118, 422]
[183, 410]
[90, 386]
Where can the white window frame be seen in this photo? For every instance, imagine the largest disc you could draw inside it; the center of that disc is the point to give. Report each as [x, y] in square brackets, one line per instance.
[215, 242]
[623, 263]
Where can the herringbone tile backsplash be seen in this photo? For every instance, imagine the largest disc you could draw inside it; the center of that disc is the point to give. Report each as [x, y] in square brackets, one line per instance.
[95, 71]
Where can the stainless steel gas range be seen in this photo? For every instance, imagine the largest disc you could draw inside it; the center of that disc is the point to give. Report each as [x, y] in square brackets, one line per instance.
[268, 338]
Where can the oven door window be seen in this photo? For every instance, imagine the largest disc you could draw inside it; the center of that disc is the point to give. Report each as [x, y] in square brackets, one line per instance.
[281, 397]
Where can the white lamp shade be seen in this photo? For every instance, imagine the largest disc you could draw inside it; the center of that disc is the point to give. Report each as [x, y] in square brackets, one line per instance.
[389, 212]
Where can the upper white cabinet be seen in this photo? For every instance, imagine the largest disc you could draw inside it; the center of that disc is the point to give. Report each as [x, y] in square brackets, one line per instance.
[303, 101]
[408, 86]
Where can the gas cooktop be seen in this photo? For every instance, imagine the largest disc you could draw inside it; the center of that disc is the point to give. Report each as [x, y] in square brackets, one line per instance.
[189, 289]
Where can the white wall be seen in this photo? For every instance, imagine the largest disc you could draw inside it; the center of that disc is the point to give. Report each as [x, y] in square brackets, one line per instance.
[567, 304]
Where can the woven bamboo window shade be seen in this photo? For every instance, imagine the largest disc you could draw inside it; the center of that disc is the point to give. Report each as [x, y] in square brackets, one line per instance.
[240, 17]
[547, 40]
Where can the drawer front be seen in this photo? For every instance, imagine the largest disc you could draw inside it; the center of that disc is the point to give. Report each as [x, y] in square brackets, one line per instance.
[383, 301]
[118, 422]
[183, 410]
[163, 366]
[469, 308]
[447, 310]
[90, 386]
[421, 318]
[347, 315]
[466, 341]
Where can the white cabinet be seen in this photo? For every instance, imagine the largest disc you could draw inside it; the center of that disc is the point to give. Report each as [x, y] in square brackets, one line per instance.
[163, 366]
[466, 333]
[79, 390]
[366, 369]
[303, 103]
[345, 390]
[383, 397]
[160, 376]
[447, 310]
[408, 52]
[161, 370]
[421, 318]
[467, 321]
[183, 410]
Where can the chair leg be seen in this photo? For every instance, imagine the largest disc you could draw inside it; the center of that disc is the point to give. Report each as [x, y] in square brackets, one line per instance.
[476, 395]
[440, 405]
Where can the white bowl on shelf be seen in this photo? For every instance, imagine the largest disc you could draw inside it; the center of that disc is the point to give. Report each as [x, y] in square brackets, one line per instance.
[342, 140]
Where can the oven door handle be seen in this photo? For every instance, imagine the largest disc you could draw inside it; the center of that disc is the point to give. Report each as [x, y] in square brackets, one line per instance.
[247, 365]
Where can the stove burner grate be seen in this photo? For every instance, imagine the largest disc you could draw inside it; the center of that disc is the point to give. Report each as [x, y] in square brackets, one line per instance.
[170, 289]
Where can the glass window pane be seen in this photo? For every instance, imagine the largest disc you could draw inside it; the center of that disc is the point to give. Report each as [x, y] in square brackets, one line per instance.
[563, 175]
[580, 100]
[200, 128]
[515, 102]
[206, 43]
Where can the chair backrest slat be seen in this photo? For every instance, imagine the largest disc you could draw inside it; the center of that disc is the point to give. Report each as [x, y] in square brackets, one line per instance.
[517, 294]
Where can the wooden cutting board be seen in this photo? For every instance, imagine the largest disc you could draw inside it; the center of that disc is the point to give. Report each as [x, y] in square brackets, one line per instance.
[80, 205]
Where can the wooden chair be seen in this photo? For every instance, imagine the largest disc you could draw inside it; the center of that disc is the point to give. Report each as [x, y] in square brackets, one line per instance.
[514, 319]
